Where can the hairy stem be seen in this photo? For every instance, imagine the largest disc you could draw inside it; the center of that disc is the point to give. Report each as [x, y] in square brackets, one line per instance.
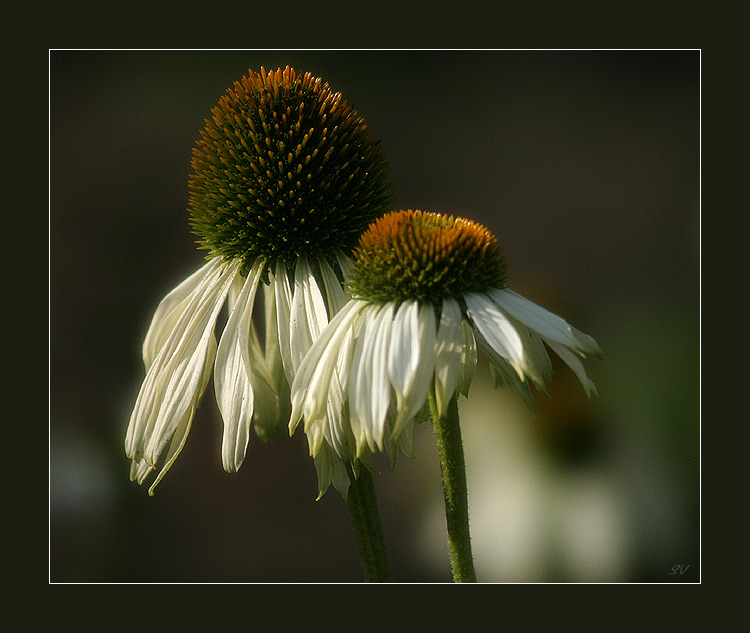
[453, 469]
[363, 509]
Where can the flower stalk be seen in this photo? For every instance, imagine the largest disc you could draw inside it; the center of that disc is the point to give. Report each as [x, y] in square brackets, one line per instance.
[363, 509]
[453, 469]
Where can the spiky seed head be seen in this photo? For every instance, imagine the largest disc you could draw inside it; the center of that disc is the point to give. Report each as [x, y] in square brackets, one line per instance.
[425, 256]
[285, 167]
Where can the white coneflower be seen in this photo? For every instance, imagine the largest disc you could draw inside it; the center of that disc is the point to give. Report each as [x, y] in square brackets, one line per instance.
[286, 177]
[428, 291]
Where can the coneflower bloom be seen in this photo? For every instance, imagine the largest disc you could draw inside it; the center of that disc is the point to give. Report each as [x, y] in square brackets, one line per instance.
[286, 177]
[428, 291]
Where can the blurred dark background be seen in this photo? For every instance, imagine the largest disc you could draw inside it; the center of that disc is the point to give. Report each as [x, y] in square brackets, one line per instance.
[585, 165]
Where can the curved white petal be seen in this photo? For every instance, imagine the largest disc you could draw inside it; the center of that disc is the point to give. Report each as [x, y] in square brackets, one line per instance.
[179, 438]
[324, 408]
[468, 358]
[310, 388]
[232, 377]
[497, 330]
[345, 264]
[359, 403]
[405, 442]
[272, 351]
[369, 386]
[336, 298]
[176, 445]
[381, 388]
[331, 470]
[170, 309]
[270, 390]
[572, 361]
[272, 403]
[181, 362]
[411, 359]
[448, 353]
[307, 313]
[538, 363]
[549, 326]
[139, 470]
[166, 343]
[339, 430]
[283, 301]
[504, 373]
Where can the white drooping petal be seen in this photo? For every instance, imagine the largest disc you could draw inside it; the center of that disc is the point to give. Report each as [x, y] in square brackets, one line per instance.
[179, 438]
[271, 394]
[139, 470]
[185, 369]
[538, 363]
[272, 349]
[336, 298]
[549, 326]
[232, 375]
[505, 373]
[448, 353]
[169, 311]
[381, 388]
[497, 330]
[411, 359]
[338, 432]
[468, 358]
[572, 361]
[404, 444]
[175, 379]
[148, 400]
[359, 403]
[345, 264]
[369, 386]
[283, 301]
[331, 470]
[325, 410]
[310, 387]
[302, 393]
[307, 313]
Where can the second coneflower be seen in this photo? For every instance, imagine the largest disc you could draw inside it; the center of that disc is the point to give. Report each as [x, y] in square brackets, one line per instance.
[286, 177]
[427, 290]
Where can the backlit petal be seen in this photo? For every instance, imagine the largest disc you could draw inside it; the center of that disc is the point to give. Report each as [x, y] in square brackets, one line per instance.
[170, 309]
[497, 330]
[307, 313]
[233, 385]
[448, 353]
[336, 298]
[572, 361]
[181, 366]
[411, 360]
[369, 387]
[331, 470]
[183, 325]
[310, 388]
[283, 301]
[468, 358]
[504, 373]
[547, 325]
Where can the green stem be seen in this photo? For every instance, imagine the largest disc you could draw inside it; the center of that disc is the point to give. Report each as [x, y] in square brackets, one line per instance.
[363, 509]
[453, 468]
